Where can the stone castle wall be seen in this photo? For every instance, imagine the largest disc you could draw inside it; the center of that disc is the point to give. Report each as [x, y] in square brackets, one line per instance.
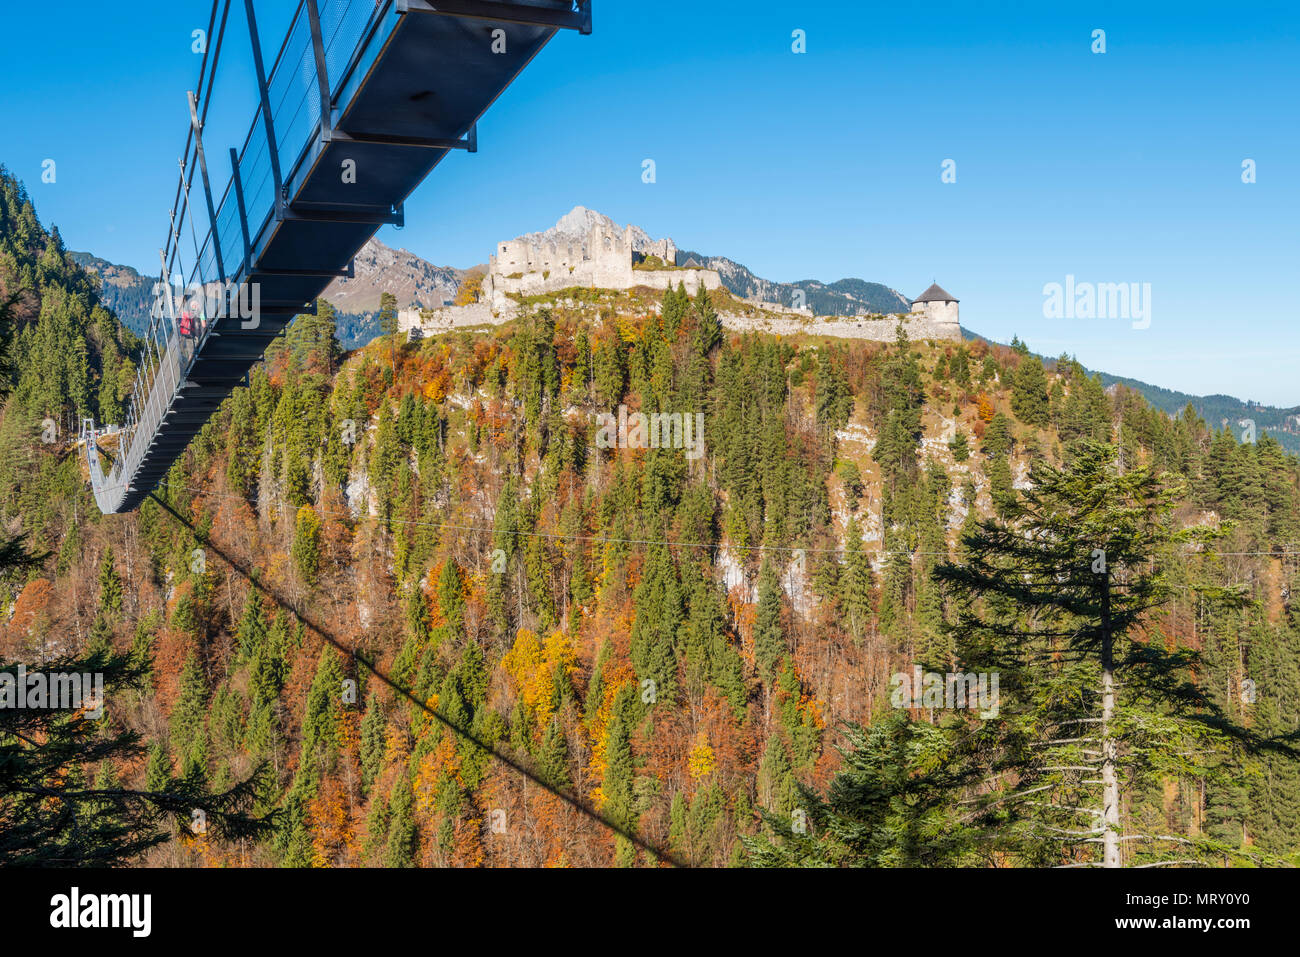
[604, 260]
[430, 322]
[884, 329]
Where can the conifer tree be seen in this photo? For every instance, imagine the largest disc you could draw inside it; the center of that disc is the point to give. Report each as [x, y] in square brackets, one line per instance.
[306, 549]
[659, 615]
[451, 596]
[1052, 600]
[252, 627]
[41, 754]
[856, 582]
[1029, 401]
[189, 717]
[388, 323]
[708, 327]
[403, 838]
[620, 770]
[891, 804]
[769, 637]
[553, 758]
[373, 744]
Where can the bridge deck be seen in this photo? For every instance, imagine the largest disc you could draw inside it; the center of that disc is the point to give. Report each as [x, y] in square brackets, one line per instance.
[406, 82]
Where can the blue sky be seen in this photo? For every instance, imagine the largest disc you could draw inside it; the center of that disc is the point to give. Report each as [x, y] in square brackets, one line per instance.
[1116, 167]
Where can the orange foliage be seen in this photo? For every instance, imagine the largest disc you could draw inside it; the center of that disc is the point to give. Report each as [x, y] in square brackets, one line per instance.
[333, 826]
[31, 606]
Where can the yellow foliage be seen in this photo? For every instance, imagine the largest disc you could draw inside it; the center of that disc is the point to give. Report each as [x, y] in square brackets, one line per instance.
[533, 666]
[701, 761]
[619, 674]
[395, 746]
[470, 290]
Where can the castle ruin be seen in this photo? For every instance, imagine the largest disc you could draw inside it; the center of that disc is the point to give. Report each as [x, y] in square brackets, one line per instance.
[605, 259]
[589, 251]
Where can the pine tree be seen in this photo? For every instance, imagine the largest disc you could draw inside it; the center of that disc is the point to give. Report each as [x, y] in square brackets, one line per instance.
[553, 758]
[959, 446]
[1051, 599]
[659, 616]
[889, 805]
[856, 582]
[451, 596]
[373, 745]
[388, 323]
[320, 723]
[708, 327]
[403, 838]
[769, 637]
[42, 753]
[306, 549]
[616, 783]
[110, 586]
[252, 627]
[777, 788]
[1029, 401]
[189, 717]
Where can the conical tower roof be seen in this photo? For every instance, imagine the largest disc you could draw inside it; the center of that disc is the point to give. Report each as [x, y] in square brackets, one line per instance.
[935, 293]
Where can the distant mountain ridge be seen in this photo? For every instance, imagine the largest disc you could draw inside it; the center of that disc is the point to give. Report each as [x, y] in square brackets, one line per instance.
[1218, 410]
[123, 290]
[377, 269]
[845, 297]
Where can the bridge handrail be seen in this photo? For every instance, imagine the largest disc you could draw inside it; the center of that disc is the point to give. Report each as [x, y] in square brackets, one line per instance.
[166, 355]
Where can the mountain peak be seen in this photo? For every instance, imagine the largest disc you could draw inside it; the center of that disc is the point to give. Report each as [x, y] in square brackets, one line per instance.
[578, 223]
[378, 268]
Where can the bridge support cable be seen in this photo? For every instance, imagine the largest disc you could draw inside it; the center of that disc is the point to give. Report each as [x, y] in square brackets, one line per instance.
[322, 68]
[207, 183]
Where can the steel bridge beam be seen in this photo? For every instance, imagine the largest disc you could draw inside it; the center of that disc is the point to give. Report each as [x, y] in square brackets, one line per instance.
[360, 215]
[579, 19]
[469, 144]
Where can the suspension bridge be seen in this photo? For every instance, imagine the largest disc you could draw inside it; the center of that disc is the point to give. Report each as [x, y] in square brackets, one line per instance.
[362, 101]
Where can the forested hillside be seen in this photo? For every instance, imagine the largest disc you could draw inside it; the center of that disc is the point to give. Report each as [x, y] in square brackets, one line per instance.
[70, 356]
[597, 656]
[122, 290]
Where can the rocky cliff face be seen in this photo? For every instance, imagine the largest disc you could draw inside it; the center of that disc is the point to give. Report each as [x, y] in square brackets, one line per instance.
[379, 268]
[577, 224]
